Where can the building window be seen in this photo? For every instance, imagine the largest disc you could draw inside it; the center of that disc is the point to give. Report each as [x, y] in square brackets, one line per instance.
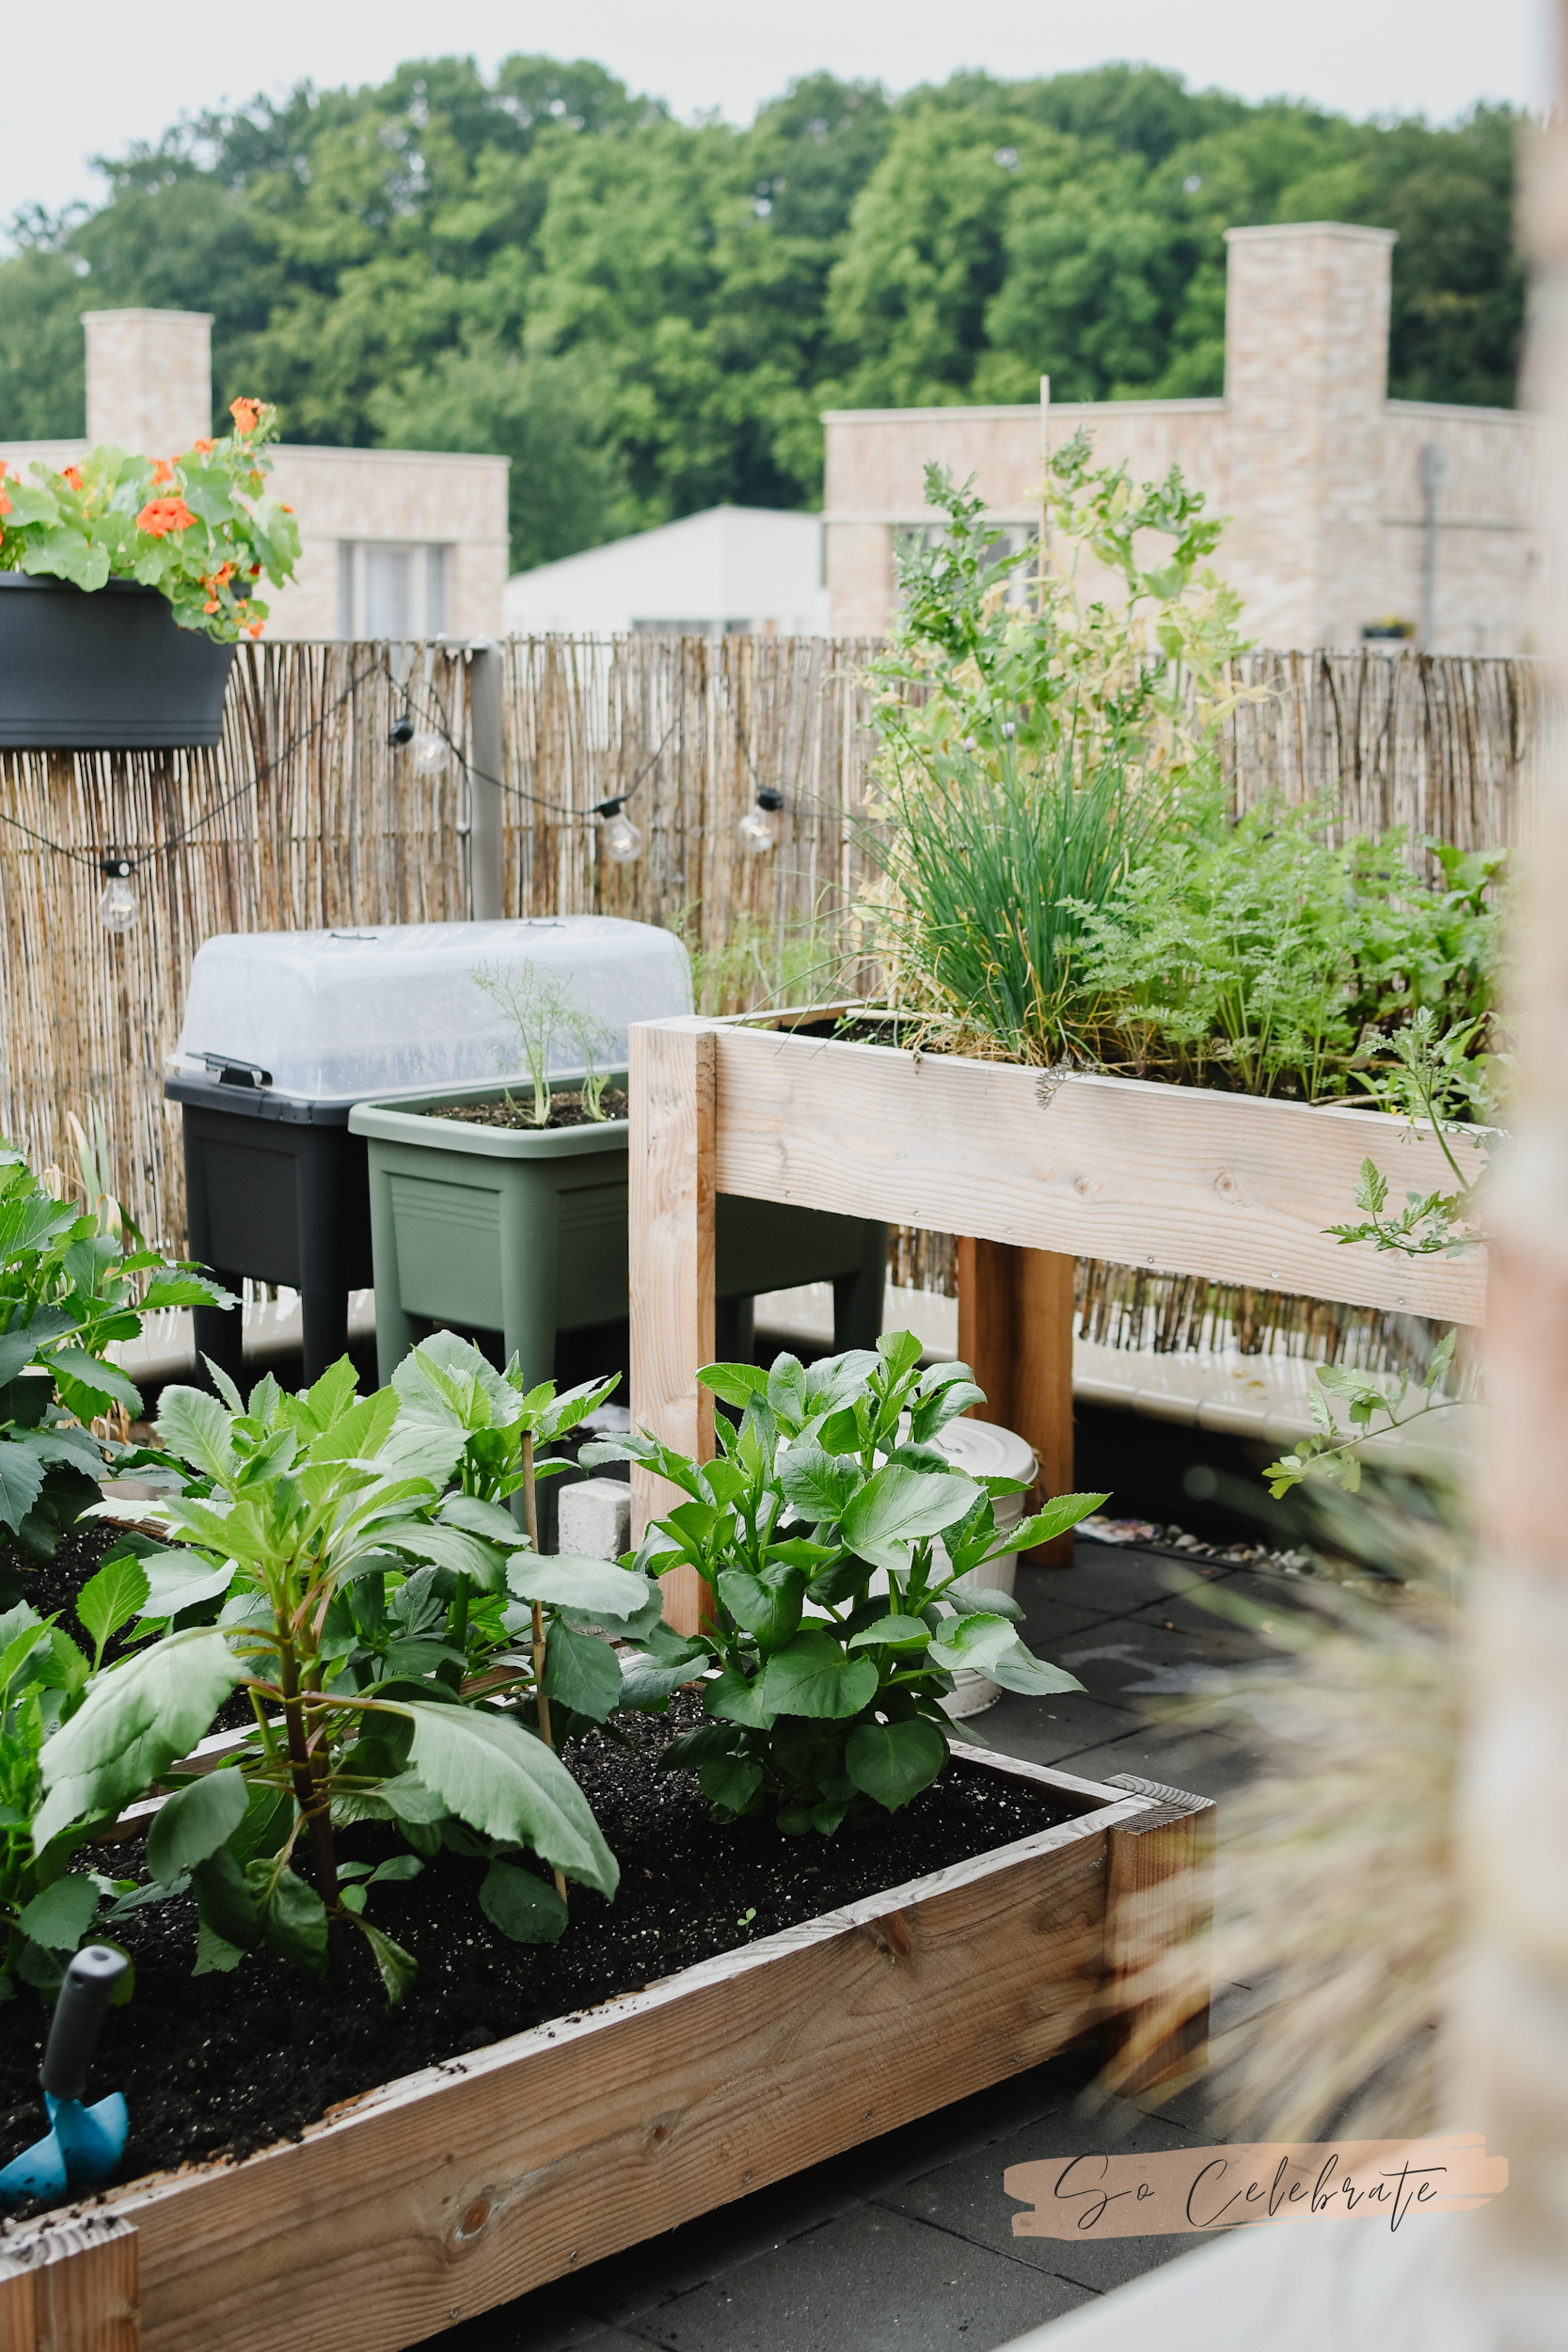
[385, 590]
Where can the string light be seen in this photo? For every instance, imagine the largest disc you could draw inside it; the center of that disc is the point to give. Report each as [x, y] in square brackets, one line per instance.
[757, 830]
[117, 905]
[401, 732]
[430, 754]
[620, 837]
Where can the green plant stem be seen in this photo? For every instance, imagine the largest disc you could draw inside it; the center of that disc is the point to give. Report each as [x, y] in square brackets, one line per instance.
[315, 1808]
[530, 1511]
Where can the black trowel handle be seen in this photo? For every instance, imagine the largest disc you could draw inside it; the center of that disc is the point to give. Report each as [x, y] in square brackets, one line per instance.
[88, 1987]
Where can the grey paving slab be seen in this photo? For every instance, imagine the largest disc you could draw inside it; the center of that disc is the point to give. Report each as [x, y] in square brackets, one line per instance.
[872, 2280]
[967, 2197]
[1048, 1731]
[1207, 1766]
[1133, 1660]
[1107, 1578]
[1048, 1621]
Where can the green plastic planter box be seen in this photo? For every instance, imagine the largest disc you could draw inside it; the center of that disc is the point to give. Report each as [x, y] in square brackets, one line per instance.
[497, 1228]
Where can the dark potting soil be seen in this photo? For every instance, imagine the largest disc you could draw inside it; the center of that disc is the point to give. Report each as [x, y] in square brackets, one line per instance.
[220, 2065]
[566, 1110]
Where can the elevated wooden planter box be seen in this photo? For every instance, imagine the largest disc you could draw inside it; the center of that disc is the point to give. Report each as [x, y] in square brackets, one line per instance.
[443, 2195]
[1031, 1169]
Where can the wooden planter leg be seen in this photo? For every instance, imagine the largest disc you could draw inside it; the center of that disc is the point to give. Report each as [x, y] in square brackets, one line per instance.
[1159, 1900]
[75, 2290]
[673, 1098]
[1015, 1332]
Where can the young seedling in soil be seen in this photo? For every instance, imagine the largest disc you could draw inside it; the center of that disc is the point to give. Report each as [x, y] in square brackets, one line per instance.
[335, 1552]
[837, 1624]
[542, 1009]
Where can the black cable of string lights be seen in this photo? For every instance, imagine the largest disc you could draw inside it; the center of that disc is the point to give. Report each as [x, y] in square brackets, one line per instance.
[121, 866]
[438, 727]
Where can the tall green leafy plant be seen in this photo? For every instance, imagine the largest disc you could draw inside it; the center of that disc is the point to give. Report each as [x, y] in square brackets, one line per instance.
[846, 1560]
[331, 1543]
[69, 1288]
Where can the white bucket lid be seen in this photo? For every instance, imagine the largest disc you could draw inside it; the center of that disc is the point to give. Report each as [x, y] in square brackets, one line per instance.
[984, 1450]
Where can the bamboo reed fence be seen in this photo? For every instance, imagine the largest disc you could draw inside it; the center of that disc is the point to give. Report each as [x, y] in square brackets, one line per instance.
[306, 815]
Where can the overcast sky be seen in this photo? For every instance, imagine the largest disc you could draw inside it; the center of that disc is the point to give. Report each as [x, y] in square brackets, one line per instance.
[109, 72]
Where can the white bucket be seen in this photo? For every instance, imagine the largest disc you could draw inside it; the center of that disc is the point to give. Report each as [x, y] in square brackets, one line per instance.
[986, 1450]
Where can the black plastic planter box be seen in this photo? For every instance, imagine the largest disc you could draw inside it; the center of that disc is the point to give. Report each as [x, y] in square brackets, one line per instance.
[276, 1188]
[110, 671]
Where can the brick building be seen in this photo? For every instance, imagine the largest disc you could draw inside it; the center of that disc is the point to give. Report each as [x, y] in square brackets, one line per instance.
[394, 543]
[1346, 507]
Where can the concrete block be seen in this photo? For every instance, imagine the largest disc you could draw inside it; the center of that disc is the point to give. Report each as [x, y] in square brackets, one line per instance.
[594, 1517]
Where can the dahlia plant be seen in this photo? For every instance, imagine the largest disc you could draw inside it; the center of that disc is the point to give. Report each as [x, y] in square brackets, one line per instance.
[200, 527]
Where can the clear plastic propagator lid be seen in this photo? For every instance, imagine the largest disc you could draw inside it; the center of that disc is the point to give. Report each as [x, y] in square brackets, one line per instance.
[338, 1017]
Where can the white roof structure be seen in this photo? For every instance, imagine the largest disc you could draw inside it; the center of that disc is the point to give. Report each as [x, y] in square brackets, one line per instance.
[735, 567]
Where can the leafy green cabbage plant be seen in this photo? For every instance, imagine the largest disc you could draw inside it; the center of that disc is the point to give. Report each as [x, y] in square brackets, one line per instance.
[342, 1569]
[847, 1558]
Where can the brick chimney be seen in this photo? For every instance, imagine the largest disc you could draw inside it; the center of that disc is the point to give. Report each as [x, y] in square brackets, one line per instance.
[1306, 386]
[150, 379]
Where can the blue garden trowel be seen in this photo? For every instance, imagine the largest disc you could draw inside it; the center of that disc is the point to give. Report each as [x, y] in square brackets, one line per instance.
[83, 2145]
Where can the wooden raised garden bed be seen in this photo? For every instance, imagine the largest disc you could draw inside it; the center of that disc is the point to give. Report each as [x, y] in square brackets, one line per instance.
[440, 2195]
[1032, 1170]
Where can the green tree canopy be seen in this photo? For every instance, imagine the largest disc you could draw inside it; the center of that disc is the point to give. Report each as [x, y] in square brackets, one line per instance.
[647, 316]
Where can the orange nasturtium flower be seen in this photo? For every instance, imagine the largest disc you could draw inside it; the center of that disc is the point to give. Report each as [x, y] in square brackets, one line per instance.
[163, 471]
[71, 474]
[247, 414]
[255, 629]
[202, 447]
[160, 516]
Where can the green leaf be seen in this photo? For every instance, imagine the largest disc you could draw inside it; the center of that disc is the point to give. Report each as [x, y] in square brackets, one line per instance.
[195, 1822]
[1018, 1669]
[583, 1673]
[736, 1384]
[571, 1580]
[293, 1921]
[900, 1351]
[111, 1598]
[898, 1506]
[213, 1953]
[647, 1683]
[730, 1781]
[489, 1520]
[135, 1720]
[21, 1645]
[969, 1598]
[398, 1968]
[734, 1700]
[786, 1390]
[526, 1907]
[815, 1675]
[178, 1580]
[497, 1777]
[449, 1547]
[61, 1916]
[768, 1606]
[227, 1901]
[893, 1632]
[195, 1426]
[971, 1641]
[892, 1762]
[21, 1478]
[817, 1485]
[1060, 1512]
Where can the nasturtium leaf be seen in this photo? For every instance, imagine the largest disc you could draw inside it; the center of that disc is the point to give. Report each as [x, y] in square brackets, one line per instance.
[814, 1675]
[974, 1641]
[61, 1916]
[112, 1597]
[575, 1581]
[898, 1506]
[893, 1632]
[526, 1907]
[582, 1672]
[1018, 1669]
[195, 1822]
[730, 1781]
[892, 1762]
[134, 1721]
[734, 1700]
[768, 1605]
[502, 1780]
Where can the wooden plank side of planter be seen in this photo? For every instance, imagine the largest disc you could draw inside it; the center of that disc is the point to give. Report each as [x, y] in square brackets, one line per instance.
[460, 2189]
[1191, 1182]
[71, 2287]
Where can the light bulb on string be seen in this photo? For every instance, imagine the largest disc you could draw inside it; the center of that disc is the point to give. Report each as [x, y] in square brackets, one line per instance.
[757, 830]
[619, 838]
[401, 732]
[117, 904]
[430, 753]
